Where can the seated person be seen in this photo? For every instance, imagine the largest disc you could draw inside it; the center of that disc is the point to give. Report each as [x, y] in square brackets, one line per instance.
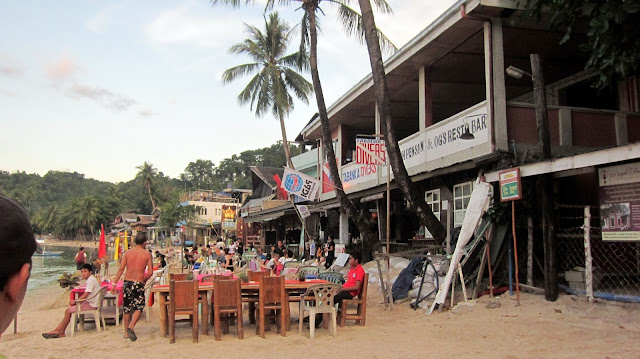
[188, 257]
[92, 287]
[276, 263]
[261, 255]
[163, 263]
[228, 259]
[288, 256]
[352, 287]
[319, 256]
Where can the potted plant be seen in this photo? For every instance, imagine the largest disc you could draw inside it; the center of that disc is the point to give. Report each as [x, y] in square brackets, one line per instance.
[301, 276]
[243, 276]
[69, 280]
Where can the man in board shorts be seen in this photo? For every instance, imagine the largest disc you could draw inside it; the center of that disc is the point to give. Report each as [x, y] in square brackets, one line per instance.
[135, 261]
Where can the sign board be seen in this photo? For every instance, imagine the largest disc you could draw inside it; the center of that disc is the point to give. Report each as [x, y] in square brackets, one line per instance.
[510, 186]
[619, 194]
[354, 173]
[299, 184]
[370, 151]
[444, 140]
[304, 211]
[342, 259]
[228, 225]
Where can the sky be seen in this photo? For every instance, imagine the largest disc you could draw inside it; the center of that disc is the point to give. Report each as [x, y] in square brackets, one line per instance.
[99, 87]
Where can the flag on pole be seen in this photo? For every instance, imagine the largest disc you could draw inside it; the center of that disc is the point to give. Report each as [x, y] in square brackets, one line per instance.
[102, 250]
[304, 211]
[126, 242]
[299, 184]
[116, 255]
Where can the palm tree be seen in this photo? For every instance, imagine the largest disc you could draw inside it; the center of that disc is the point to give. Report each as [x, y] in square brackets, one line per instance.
[409, 190]
[309, 29]
[48, 219]
[82, 214]
[146, 176]
[275, 73]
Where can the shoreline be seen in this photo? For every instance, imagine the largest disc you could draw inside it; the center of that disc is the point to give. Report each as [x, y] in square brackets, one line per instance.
[72, 244]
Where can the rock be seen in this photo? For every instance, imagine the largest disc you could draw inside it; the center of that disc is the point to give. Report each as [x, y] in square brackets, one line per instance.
[492, 304]
[464, 307]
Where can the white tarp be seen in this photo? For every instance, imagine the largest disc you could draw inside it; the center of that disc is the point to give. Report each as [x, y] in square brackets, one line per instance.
[478, 204]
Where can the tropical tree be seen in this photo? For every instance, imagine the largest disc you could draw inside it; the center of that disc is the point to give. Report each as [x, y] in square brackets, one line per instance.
[410, 191]
[275, 72]
[82, 214]
[48, 220]
[146, 176]
[352, 22]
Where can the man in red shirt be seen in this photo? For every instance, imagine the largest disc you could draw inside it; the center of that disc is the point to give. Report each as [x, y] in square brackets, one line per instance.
[352, 287]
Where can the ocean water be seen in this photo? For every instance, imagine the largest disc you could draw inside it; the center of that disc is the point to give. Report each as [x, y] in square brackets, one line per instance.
[46, 270]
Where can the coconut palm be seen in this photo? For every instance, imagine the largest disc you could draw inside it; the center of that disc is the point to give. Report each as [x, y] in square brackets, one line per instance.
[275, 72]
[82, 214]
[352, 22]
[48, 219]
[410, 191]
[146, 176]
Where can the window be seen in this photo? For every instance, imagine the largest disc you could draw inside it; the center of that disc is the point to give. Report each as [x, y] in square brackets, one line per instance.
[461, 197]
[433, 200]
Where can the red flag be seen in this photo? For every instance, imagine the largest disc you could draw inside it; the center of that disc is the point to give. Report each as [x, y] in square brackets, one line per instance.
[102, 250]
[281, 194]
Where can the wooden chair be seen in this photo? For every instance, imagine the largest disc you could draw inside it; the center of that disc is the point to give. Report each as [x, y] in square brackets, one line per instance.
[251, 298]
[360, 316]
[227, 300]
[79, 314]
[323, 295]
[178, 276]
[271, 296]
[255, 276]
[183, 300]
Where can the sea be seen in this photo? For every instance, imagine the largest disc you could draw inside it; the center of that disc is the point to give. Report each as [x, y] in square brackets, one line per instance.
[46, 270]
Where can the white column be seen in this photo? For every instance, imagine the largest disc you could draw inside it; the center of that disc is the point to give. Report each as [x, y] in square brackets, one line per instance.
[344, 228]
[421, 98]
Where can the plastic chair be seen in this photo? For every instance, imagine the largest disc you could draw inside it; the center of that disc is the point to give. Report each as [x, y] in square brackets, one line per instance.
[147, 292]
[183, 300]
[360, 301]
[271, 296]
[97, 313]
[292, 264]
[323, 295]
[227, 300]
[333, 277]
[308, 270]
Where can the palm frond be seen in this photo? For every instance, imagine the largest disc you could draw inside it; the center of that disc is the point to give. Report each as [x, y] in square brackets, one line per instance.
[353, 25]
[234, 73]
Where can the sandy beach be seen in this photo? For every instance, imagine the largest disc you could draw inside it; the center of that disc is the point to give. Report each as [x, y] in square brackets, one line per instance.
[567, 328]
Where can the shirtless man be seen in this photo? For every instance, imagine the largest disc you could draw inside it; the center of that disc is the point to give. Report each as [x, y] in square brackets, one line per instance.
[135, 261]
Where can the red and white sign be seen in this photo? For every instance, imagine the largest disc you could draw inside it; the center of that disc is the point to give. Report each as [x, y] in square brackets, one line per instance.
[370, 151]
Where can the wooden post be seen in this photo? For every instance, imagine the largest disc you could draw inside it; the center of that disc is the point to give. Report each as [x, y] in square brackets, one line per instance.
[515, 249]
[382, 284]
[588, 268]
[546, 181]
[530, 251]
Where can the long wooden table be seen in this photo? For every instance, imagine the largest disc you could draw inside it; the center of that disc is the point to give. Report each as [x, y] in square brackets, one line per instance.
[293, 286]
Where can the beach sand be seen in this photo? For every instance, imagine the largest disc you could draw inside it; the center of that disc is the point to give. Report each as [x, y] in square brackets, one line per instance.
[567, 328]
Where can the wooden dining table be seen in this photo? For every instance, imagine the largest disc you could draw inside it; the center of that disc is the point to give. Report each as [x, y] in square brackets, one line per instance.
[291, 286]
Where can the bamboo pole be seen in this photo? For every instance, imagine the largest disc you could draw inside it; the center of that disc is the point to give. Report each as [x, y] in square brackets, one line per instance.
[588, 265]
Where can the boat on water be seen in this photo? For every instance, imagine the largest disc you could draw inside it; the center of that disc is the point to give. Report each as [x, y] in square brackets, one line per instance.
[40, 241]
[41, 251]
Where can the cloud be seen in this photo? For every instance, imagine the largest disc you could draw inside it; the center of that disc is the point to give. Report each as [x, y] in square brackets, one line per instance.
[8, 93]
[11, 70]
[188, 25]
[146, 113]
[102, 96]
[99, 22]
[62, 69]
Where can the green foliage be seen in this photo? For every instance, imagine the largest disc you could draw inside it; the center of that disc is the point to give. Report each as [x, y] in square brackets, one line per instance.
[612, 33]
[498, 212]
[69, 280]
[173, 212]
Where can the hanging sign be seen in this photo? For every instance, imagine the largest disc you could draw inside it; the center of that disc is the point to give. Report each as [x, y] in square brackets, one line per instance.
[510, 186]
[299, 184]
[370, 151]
[304, 211]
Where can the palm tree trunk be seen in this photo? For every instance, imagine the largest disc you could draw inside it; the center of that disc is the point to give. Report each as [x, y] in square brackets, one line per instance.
[285, 143]
[409, 190]
[356, 215]
[153, 203]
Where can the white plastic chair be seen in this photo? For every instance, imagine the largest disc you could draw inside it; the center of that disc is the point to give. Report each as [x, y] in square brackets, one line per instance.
[97, 313]
[323, 295]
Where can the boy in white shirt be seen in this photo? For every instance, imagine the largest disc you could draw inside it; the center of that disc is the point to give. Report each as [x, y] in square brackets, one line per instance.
[92, 287]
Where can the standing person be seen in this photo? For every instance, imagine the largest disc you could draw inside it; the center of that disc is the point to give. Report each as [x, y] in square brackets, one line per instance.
[17, 245]
[92, 286]
[135, 261]
[81, 258]
[281, 248]
[331, 253]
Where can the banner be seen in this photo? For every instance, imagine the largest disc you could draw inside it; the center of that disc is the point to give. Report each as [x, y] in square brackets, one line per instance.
[370, 151]
[620, 202]
[304, 211]
[299, 184]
